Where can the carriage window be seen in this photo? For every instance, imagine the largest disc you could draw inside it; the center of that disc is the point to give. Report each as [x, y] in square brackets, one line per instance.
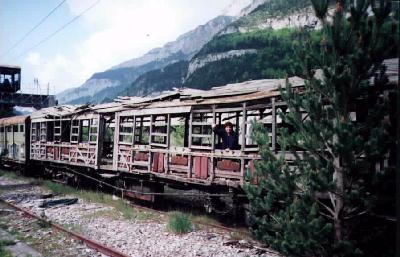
[15, 128]
[142, 130]
[65, 130]
[8, 128]
[126, 130]
[75, 128]
[94, 124]
[35, 131]
[84, 137]
[159, 127]
[178, 131]
[1, 129]
[202, 130]
[21, 128]
[43, 132]
[50, 131]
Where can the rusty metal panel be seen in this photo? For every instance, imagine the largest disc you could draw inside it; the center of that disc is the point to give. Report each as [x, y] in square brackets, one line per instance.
[154, 167]
[228, 165]
[204, 168]
[144, 157]
[160, 163]
[200, 167]
[179, 160]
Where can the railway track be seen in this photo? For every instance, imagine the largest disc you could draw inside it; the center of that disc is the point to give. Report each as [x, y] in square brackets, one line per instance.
[108, 251]
[103, 229]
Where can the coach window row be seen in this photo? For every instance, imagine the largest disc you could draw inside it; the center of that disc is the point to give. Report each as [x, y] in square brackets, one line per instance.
[14, 128]
[65, 131]
[200, 129]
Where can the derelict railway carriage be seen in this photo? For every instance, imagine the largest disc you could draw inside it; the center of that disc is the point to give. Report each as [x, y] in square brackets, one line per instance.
[167, 138]
[142, 143]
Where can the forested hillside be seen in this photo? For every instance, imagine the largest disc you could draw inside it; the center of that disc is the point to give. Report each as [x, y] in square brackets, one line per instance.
[273, 59]
[157, 80]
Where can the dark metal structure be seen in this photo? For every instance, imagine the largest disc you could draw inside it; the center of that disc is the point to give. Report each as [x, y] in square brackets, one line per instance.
[10, 84]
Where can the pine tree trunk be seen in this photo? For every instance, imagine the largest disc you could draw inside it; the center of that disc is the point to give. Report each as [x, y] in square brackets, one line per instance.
[337, 219]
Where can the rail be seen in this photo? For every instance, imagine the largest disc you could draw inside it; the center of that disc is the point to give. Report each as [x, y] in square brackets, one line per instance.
[89, 242]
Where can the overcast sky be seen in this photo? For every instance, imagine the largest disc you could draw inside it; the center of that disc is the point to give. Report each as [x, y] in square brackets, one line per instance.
[111, 32]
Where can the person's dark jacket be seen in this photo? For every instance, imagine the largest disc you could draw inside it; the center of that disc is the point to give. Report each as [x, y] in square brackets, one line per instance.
[230, 141]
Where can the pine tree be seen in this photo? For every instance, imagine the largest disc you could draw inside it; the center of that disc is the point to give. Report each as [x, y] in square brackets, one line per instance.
[310, 207]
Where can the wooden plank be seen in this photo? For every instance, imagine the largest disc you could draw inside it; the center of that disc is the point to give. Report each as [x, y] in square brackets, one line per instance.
[154, 167]
[160, 166]
[202, 135]
[204, 168]
[116, 142]
[190, 169]
[243, 126]
[273, 141]
[167, 155]
[159, 134]
[197, 166]
[228, 109]
[190, 129]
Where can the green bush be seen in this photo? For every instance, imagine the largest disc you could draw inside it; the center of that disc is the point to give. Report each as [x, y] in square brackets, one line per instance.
[179, 223]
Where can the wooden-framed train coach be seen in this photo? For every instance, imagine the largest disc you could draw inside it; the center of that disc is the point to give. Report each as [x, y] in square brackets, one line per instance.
[139, 144]
[168, 137]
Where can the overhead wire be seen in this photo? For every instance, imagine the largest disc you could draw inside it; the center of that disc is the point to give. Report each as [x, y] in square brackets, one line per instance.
[58, 30]
[31, 30]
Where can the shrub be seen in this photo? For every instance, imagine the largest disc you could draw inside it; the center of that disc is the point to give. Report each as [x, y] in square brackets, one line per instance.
[179, 223]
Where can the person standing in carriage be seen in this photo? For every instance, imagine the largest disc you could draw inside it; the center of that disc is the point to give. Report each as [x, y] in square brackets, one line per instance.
[229, 137]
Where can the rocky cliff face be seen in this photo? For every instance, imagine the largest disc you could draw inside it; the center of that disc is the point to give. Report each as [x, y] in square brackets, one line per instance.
[199, 62]
[125, 73]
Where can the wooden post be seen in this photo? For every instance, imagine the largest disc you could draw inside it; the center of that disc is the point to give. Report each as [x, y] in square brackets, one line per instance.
[241, 170]
[99, 139]
[212, 168]
[190, 129]
[243, 127]
[166, 157]
[273, 116]
[133, 131]
[151, 129]
[116, 143]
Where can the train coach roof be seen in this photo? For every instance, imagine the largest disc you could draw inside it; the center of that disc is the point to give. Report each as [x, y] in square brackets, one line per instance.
[228, 93]
[13, 120]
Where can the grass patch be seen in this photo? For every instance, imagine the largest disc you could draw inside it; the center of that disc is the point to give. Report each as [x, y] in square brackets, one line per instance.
[3, 251]
[5, 242]
[203, 219]
[144, 215]
[179, 223]
[3, 225]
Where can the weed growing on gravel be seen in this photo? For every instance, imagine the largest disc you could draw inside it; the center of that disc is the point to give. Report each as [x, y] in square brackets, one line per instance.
[144, 215]
[179, 223]
[9, 175]
[126, 210]
[4, 252]
[3, 225]
[5, 242]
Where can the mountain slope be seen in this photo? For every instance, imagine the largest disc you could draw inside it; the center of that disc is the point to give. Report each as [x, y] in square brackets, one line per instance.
[122, 75]
[252, 51]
